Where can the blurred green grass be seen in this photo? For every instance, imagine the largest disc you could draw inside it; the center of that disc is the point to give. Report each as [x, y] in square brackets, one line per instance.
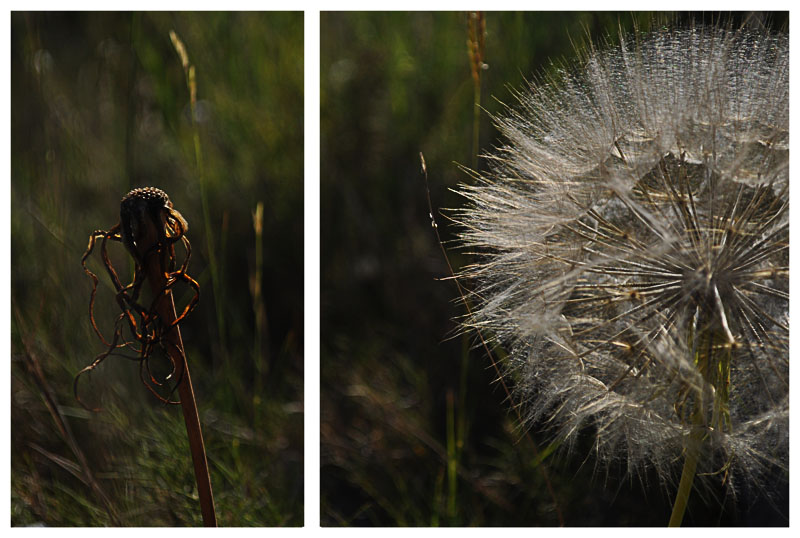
[100, 105]
[415, 428]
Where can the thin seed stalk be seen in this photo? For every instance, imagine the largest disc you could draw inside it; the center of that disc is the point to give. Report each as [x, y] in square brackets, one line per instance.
[212, 256]
[475, 48]
[712, 360]
[166, 311]
[476, 124]
[259, 314]
[452, 463]
[694, 440]
[190, 74]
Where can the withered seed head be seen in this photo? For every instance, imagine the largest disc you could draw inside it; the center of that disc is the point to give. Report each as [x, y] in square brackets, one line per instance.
[147, 193]
[144, 215]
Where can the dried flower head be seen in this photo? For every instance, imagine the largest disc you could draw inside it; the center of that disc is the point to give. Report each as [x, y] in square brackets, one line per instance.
[149, 227]
[633, 252]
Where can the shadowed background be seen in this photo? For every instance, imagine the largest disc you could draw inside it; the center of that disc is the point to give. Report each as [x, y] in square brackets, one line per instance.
[415, 428]
[100, 105]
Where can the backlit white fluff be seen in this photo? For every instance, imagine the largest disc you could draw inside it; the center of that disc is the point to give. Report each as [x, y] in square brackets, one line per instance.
[632, 251]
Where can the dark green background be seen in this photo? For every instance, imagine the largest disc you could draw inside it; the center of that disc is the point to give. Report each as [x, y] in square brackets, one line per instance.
[100, 105]
[395, 373]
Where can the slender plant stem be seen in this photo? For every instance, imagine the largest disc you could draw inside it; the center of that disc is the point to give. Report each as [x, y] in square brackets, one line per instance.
[475, 43]
[712, 359]
[260, 316]
[191, 83]
[476, 124]
[489, 353]
[452, 463]
[166, 310]
[213, 262]
[687, 477]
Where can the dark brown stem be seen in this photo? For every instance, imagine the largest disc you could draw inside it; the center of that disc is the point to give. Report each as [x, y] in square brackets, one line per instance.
[174, 344]
[154, 262]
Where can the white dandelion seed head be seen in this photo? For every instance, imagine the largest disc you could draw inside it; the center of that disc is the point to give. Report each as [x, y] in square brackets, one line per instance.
[632, 239]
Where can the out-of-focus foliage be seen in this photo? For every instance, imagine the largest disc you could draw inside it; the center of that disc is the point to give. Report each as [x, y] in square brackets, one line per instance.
[100, 105]
[415, 428]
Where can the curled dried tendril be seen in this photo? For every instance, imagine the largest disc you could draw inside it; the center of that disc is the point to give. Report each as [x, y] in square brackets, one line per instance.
[149, 226]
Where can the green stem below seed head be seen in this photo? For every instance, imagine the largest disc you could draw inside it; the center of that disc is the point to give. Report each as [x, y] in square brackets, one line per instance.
[712, 345]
